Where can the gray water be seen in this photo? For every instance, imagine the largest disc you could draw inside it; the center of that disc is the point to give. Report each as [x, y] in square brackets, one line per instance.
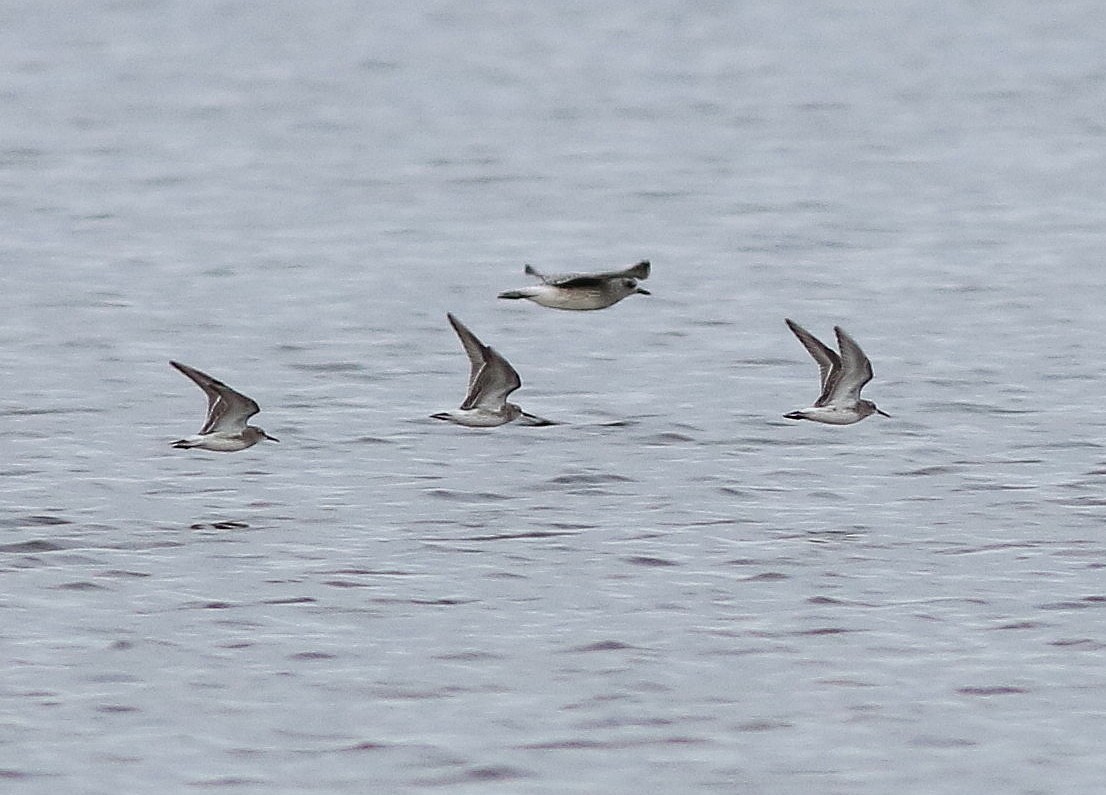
[674, 590]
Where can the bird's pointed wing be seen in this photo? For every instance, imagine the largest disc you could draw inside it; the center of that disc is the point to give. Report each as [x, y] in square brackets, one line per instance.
[579, 280]
[491, 377]
[474, 348]
[530, 270]
[829, 363]
[492, 384]
[555, 279]
[856, 369]
[227, 410]
[639, 271]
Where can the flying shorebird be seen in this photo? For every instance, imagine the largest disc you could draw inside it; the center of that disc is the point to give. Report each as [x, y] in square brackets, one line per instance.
[843, 376]
[583, 290]
[225, 430]
[491, 380]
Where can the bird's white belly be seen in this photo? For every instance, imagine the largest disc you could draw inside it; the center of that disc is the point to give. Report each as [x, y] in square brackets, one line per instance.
[222, 443]
[833, 416]
[475, 418]
[562, 298]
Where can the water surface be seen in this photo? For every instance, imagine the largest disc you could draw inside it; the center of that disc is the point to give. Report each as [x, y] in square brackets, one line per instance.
[674, 590]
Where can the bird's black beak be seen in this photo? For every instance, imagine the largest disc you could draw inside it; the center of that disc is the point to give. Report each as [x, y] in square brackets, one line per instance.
[643, 291]
[270, 438]
[884, 413]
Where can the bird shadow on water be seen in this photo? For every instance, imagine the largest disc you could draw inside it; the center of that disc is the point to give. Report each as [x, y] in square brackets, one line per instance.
[220, 524]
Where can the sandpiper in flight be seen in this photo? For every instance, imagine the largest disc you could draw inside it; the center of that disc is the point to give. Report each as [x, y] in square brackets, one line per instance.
[491, 380]
[583, 290]
[843, 376]
[225, 430]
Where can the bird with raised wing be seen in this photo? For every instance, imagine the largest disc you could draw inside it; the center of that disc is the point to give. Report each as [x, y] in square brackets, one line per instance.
[843, 375]
[491, 380]
[225, 430]
[583, 291]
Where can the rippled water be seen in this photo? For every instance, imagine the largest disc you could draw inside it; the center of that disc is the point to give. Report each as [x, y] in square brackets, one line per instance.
[675, 589]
